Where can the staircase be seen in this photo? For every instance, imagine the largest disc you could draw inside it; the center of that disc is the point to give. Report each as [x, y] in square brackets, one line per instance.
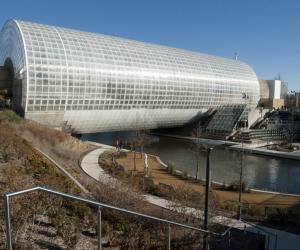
[250, 135]
[42, 234]
[224, 121]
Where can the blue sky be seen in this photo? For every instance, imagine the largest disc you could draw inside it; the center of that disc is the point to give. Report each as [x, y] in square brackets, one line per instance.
[264, 33]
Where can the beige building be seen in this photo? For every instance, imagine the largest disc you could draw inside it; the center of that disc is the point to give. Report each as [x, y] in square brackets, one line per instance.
[271, 94]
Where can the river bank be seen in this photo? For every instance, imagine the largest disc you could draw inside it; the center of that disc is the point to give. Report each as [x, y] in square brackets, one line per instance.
[160, 175]
[259, 172]
[270, 208]
[106, 157]
[253, 148]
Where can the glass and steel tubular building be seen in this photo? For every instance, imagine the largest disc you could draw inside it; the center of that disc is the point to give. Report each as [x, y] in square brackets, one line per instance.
[84, 82]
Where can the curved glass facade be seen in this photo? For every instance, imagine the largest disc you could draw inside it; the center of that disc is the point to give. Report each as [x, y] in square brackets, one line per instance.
[87, 82]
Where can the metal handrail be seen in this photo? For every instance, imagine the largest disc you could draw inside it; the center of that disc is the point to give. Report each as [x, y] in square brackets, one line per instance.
[99, 205]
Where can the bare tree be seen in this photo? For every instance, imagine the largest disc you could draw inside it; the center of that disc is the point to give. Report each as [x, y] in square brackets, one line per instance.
[138, 141]
[197, 148]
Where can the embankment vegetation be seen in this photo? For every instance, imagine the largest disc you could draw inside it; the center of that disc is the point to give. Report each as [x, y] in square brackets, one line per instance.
[41, 220]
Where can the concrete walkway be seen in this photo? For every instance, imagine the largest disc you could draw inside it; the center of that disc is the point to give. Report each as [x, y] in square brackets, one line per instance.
[284, 241]
[205, 141]
[90, 165]
[262, 151]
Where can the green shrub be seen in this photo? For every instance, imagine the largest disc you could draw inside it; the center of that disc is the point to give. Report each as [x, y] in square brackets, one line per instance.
[171, 167]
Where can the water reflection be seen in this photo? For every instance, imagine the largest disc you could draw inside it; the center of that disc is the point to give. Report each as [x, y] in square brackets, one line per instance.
[273, 172]
[259, 172]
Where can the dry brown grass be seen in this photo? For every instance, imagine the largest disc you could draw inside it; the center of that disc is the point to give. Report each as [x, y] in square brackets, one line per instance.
[21, 167]
[62, 147]
[160, 175]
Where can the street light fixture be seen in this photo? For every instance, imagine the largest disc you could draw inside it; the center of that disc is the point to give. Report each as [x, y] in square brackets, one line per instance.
[207, 189]
[208, 146]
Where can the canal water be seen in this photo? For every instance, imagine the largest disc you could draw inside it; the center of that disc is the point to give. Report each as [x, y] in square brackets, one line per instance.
[261, 172]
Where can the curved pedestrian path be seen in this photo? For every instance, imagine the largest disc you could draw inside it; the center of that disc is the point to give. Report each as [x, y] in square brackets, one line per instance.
[90, 166]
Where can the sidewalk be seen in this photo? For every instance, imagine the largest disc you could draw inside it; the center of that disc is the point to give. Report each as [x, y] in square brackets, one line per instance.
[90, 165]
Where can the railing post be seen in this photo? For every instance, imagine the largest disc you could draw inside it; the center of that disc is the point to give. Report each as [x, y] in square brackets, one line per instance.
[169, 237]
[7, 223]
[99, 228]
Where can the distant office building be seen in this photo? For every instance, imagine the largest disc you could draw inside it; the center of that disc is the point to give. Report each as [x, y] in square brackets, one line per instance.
[272, 93]
[84, 82]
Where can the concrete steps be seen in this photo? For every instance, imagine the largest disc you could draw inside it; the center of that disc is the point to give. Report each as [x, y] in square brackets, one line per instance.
[44, 235]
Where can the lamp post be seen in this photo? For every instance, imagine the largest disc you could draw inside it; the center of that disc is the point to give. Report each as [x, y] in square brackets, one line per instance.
[206, 203]
[197, 153]
[208, 148]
